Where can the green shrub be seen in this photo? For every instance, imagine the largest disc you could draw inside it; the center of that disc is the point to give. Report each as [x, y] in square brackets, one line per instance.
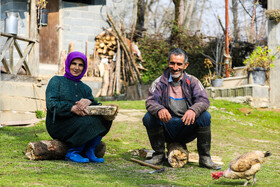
[155, 51]
[40, 114]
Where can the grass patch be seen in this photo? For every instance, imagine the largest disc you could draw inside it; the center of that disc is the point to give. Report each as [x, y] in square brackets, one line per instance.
[234, 132]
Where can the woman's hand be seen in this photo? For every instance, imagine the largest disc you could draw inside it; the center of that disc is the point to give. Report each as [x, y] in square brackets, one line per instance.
[83, 103]
[75, 109]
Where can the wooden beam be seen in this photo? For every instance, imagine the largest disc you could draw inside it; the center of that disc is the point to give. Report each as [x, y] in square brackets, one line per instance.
[22, 59]
[5, 63]
[11, 54]
[17, 37]
[21, 55]
[2, 57]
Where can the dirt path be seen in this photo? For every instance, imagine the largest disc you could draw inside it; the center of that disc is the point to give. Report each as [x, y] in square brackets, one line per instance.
[130, 114]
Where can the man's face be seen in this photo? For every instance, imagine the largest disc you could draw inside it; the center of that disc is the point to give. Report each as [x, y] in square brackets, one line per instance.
[77, 67]
[176, 66]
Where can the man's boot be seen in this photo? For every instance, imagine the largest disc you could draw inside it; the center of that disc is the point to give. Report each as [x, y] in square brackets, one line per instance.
[203, 147]
[157, 140]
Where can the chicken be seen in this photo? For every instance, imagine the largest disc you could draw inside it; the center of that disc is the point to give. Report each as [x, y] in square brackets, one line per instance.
[244, 167]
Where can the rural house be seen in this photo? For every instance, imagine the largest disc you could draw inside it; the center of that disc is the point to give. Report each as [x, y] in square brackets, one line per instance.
[33, 35]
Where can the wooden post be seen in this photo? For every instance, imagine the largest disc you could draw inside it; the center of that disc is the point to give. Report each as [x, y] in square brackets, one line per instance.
[118, 69]
[273, 43]
[105, 83]
[33, 35]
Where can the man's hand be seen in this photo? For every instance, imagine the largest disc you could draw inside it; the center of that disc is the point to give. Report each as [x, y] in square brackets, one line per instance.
[75, 109]
[83, 103]
[189, 117]
[164, 115]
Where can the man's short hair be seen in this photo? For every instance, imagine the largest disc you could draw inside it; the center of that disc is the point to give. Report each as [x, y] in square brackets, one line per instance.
[177, 52]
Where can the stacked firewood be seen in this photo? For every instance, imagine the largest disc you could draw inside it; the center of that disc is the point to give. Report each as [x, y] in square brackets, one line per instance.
[115, 60]
[106, 45]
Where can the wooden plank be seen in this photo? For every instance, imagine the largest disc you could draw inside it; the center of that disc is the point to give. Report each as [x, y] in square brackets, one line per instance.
[20, 123]
[102, 110]
[20, 54]
[22, 59]
[17, 37]
[11, 54]
[5, 63]
[5, 47]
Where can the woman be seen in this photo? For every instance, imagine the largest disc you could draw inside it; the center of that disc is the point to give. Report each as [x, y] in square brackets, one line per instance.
[67, 118]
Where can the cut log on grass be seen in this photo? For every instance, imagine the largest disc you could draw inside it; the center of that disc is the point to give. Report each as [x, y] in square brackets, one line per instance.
[54, 150]
[177, 155]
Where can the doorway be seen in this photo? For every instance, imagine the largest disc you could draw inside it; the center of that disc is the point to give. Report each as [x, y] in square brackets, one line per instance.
[49, 35]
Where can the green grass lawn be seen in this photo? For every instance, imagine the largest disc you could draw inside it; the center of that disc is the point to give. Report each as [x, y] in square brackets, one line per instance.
[233, 132]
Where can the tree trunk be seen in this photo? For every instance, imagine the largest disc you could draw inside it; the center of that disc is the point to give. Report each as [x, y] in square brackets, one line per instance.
[54, 150]
[201, 14]
[235, 20]
[178, 20]
[188, 13]
[252, 32]
[177, 155]
[140, 21]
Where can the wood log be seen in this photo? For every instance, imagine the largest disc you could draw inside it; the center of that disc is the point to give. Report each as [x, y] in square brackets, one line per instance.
[123, 66]
[96, 61]
[101, 45]
[71, 47]
[105, 83]
[61, 65]
[146, 164]
[54, 150]
[99, 50]
[113, 38]
[111, 53]
[118, 71]
[100, 35]
[107, 37]
[111, 79]
[177, 155]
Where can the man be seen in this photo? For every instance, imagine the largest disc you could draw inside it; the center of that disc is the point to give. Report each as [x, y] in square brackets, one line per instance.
[176, 105]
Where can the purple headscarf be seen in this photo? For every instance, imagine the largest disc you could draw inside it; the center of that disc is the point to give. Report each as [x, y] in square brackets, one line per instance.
[70, 57]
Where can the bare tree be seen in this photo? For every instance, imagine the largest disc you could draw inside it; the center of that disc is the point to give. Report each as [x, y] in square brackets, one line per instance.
[235, 20]
[201, 14]
[188, 12]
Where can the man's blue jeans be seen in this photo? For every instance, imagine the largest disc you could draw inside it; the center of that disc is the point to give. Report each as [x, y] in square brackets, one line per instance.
[175, 130]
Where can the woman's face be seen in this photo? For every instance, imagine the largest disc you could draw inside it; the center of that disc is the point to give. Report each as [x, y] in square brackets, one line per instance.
[77, 66]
